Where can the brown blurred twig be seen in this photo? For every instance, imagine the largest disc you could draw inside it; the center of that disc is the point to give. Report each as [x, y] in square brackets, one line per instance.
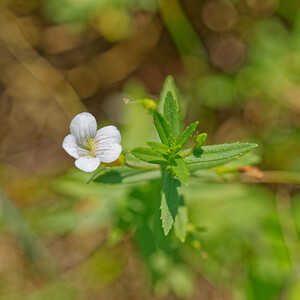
[255, 175]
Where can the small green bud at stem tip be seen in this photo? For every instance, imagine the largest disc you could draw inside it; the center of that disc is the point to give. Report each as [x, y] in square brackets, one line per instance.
[200, 139]
[149, 104]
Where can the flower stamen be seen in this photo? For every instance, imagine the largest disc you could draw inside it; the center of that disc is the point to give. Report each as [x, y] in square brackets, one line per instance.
[91, 145]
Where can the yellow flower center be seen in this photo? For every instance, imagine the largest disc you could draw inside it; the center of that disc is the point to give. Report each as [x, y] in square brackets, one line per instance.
[91, 145]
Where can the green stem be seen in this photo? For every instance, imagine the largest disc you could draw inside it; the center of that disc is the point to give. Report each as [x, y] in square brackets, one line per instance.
[189, 152]
[286, 221]
[95, 174]
[141, 168]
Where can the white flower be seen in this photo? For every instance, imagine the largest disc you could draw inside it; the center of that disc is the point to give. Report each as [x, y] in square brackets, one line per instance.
[90, 146]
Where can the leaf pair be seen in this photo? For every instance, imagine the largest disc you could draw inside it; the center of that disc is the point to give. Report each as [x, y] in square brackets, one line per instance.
[168, 129]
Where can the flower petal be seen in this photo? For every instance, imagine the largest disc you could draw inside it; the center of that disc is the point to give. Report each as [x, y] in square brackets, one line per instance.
[70, 145]
[109, 152]
[87, 164]
[83, 126]
[108, 135]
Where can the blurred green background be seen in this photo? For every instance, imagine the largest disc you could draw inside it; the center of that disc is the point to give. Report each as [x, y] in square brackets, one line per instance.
[237, 66]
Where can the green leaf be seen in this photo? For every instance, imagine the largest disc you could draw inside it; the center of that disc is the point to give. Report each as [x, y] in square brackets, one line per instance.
[186, 134]
[162, 127]
[171, 113]
[169, 201]
[125, 175]
[148, 155]
[215, 155]
[181, 220]
[179, 168]
[158, 147]
[168, 85]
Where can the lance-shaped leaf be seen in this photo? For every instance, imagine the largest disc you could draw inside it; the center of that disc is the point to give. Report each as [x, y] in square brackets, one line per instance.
[214, 155]
[148, 155]
[179, 168]
[169, 201]
[158, 147]
[162, 127]
[186, 135]
[171, 114]
[181, 220]
[168, 85]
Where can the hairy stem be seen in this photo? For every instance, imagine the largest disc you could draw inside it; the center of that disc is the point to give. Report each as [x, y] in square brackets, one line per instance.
[141, 167]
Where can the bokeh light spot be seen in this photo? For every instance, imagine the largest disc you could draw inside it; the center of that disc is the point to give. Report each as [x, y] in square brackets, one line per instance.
[113, 23]
[227, 53]
[216, 91]
[219, 16]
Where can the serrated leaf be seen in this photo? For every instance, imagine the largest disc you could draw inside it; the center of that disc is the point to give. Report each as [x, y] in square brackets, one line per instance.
[186, 134]
[162, 127]
[148, 155]
[181, 220]
[215, 155]
[169, 201]
[121, 175]
[158, 147]
[171, 113]
[168, 85]
[179, 168]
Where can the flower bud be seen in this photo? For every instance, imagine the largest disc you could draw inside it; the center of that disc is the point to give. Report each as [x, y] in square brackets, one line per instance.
[200, 139]
[149, 104]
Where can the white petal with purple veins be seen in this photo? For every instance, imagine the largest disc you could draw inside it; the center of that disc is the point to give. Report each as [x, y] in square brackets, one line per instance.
[70, 145]
[87, 164]
[108, 135]
[108, 153]
[83, 126]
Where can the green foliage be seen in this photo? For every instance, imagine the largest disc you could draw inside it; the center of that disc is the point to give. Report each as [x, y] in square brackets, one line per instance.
[171, 114]
[179, 168]
[222, 153]
[121, 175]
[184, 136]
[149, 155]
[174, 163]
[169, 201]
[160, 148]
[169, 86]
[163, 128]
[181, 221]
